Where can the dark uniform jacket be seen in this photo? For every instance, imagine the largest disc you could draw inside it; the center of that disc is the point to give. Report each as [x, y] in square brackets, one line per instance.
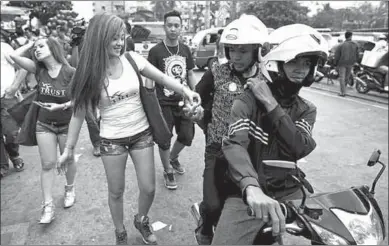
[255, 135]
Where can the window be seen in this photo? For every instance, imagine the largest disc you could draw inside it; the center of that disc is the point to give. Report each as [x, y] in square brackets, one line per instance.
[103, 8]
[213, 38]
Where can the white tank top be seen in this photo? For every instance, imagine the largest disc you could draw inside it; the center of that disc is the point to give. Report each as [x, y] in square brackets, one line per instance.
[121, 111]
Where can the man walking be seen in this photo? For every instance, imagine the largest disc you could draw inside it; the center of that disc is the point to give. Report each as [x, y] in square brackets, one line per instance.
[345, 56]
[10, 82]
[175, 59]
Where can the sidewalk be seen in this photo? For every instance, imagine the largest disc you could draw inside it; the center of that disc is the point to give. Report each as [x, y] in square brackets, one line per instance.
[371, 96]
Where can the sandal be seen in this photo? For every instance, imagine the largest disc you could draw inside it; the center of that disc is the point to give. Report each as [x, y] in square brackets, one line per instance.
[18, 164]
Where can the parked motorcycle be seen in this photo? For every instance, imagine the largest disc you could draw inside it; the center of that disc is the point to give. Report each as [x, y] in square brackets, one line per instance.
[347, 217]
[370, 79]
[332, 73]
[373, 69]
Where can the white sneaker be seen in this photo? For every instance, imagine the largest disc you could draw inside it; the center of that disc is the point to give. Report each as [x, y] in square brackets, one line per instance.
[70, 196]
[386, 88]
[48, 214]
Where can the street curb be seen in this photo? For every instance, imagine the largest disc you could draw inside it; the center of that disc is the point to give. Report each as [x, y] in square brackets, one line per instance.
[350, 95]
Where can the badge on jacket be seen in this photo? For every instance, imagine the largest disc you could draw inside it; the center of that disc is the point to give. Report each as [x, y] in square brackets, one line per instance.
[232, 87]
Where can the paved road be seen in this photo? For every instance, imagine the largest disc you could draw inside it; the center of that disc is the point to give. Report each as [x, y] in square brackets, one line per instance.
[347, 130]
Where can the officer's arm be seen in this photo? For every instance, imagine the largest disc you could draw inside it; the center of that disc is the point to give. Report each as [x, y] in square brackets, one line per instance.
[235, 145]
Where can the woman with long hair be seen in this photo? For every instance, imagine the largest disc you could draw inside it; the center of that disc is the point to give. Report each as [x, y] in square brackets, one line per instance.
[106, 80]
[53, 74]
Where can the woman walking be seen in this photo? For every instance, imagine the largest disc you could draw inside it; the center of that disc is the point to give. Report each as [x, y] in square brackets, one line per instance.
[53, 74]
[106, 79]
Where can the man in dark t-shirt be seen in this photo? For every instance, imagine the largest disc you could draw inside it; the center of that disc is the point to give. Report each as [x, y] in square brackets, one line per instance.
[174, 59]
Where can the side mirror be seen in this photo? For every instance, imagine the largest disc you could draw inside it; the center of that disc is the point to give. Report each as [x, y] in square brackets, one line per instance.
[301, 208]
[374, 158]
[204, 41]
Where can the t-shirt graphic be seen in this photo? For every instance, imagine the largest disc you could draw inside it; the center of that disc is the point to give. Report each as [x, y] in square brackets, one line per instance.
[48, 90]
[175, 67]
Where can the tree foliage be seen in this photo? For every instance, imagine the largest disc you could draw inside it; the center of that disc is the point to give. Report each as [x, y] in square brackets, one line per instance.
[162, 7]
[364, 15]
[275, 14]
[43, 10]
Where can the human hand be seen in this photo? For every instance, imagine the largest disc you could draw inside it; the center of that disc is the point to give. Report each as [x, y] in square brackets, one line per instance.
[195, 115]
[50, 106]
[64, 160]
[193, 98]
[266, 209]
[262, 93]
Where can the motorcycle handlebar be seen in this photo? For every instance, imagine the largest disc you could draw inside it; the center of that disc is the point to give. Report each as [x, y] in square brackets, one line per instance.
[292, 228]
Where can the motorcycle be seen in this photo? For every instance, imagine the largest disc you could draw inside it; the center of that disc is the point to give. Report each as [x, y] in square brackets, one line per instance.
[372, 72]
[368, 78]
[332, 73]
[347, 217]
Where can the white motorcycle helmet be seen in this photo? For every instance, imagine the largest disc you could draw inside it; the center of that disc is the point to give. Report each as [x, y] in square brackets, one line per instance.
[290, 42]
[248, 29]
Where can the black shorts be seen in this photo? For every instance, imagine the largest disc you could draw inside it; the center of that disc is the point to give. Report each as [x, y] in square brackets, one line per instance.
[185, 130]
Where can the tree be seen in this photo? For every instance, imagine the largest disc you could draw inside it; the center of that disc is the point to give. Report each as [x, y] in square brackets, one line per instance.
[43, 10]
[162, 7]
[275, 14]
[363, 15]
[324, 18]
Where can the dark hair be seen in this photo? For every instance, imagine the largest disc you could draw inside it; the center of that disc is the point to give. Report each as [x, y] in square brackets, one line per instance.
[56, 50]
[91, 72]
[348, 34]
[172, 13]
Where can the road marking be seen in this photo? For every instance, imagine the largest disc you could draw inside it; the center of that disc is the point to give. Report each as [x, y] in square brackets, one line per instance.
[19, 233]
[347, 99]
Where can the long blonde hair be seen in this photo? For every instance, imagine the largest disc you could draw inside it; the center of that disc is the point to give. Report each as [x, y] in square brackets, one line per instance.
[91, 73]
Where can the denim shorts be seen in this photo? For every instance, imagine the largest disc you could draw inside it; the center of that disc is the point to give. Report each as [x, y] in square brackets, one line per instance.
[42, 127]
[119, 146]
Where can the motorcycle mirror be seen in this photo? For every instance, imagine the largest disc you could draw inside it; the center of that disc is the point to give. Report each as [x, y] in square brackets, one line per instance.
[302, 205]
[374, 158]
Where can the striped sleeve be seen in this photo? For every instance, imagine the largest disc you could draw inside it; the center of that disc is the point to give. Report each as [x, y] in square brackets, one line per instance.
[295, 138]
[235, 145]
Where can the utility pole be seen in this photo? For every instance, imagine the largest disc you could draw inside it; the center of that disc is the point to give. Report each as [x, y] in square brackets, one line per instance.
[207, 14]
[233, 10]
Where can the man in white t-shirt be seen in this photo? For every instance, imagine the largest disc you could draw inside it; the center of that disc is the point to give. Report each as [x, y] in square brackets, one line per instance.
[11, 77]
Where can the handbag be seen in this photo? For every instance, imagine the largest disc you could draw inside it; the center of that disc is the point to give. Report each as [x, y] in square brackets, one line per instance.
[20, 109]
[27, 133]
[159, 128]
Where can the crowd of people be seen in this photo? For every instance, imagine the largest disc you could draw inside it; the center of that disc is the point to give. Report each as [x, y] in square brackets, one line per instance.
[248, 108]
